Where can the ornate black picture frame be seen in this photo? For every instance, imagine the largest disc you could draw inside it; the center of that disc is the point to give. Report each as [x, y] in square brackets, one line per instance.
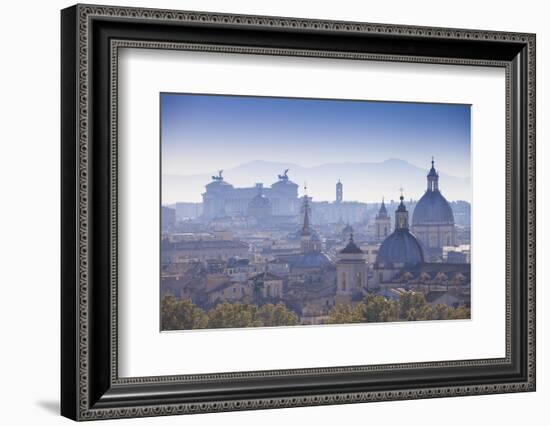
[90, 38]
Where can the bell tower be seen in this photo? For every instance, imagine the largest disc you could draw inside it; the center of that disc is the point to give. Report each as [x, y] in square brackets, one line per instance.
[351, 270]
[339, 192]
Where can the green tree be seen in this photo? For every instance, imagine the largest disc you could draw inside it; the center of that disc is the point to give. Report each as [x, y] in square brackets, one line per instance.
[413, 307]
[462, 312]
[441, 312]
[233, 315]
[271, 315]
[237, 315]
[181, 314]
[379, 309]
[410, 307]
[344, 314]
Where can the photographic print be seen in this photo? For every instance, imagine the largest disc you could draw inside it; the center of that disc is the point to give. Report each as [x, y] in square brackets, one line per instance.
[295, 211]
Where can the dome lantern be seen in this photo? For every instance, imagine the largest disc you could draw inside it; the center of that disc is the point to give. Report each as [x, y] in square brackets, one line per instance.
[401, 215]
[433, 179]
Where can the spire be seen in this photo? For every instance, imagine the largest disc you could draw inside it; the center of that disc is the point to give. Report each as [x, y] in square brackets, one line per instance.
[305, 226]
[433, 178]
[401, 214]
[382, 212]
[306, 230]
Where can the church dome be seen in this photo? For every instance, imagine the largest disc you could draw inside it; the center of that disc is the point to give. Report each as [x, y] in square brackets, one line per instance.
[400, 247]
[433, 208]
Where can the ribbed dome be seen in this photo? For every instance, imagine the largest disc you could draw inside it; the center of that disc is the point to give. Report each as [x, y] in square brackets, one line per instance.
[433, 208]
[400, 247]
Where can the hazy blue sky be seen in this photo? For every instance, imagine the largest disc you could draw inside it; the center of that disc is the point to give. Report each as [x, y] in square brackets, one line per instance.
[202, 133]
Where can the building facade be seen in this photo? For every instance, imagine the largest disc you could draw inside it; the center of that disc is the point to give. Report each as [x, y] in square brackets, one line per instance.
[223, 199]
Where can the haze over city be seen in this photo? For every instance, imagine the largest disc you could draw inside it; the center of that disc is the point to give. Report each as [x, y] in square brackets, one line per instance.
[381, 234]
[202, 134]
[364, 181]
[374, 147]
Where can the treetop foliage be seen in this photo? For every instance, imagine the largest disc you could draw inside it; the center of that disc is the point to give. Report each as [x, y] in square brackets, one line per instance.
[183, 314]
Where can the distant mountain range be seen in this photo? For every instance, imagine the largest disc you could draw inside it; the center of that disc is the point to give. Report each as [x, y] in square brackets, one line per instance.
[365, 182]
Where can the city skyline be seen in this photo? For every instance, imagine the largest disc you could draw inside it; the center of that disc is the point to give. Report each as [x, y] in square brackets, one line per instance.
[201, 132]
[242, 247]
[392, 174]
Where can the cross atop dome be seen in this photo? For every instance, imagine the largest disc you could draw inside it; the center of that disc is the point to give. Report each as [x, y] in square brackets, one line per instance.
[401, 197]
